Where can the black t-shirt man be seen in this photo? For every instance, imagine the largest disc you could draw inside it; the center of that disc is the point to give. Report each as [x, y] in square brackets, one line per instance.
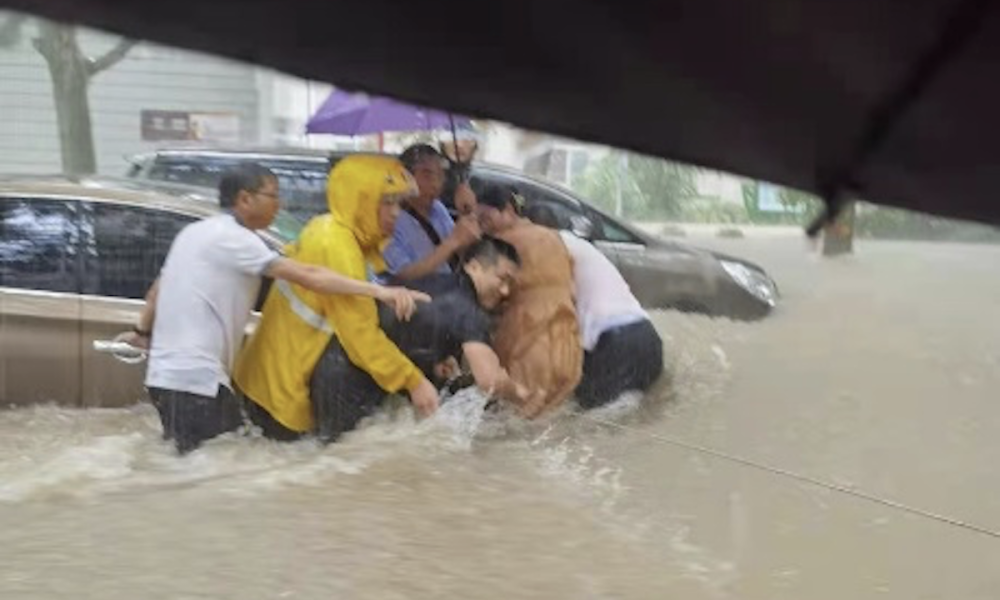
[456, 321]
[438, 329]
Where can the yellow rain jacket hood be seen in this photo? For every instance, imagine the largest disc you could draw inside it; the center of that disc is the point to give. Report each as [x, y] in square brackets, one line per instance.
[276, 365]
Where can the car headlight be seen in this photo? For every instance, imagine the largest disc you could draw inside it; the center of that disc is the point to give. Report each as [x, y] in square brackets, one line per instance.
[758, 284]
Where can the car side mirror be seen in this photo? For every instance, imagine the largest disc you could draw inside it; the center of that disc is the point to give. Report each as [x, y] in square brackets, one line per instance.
[581, 226]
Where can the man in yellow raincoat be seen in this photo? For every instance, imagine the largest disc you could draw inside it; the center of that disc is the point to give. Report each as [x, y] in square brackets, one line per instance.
[298, 326]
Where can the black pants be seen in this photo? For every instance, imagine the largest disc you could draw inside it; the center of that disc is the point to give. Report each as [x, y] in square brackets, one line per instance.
[269, 426]
[341, 393]
[627, 358]
[189, 419]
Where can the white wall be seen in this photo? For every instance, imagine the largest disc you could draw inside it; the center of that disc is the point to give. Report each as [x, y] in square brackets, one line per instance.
[500, 146]
[287, 103]
[151, 77]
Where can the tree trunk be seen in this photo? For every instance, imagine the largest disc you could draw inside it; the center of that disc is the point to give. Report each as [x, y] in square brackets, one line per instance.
[838, 237]
[70, 73]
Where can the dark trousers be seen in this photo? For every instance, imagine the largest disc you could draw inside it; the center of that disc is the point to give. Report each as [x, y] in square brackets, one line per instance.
[627, 358]
[269, 426]
[341, 393]
[190, 419]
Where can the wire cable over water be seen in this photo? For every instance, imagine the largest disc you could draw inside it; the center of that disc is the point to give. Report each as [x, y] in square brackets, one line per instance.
[669, 441]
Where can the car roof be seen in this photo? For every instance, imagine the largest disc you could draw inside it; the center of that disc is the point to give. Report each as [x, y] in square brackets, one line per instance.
[166, 196]
[246, 153]
[259, 153]
[291, 153]
[272, 153]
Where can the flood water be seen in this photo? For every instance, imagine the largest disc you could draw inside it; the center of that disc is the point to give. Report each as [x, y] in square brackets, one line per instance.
[880, 373]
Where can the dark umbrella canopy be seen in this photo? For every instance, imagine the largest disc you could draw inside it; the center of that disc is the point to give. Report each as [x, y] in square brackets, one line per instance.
[891, 100]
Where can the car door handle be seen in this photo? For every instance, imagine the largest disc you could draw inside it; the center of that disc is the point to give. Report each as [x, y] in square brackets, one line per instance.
[123, 351]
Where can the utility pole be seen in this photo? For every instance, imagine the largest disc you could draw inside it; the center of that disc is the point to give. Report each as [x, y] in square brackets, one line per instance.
[838, 236]
[620, 174]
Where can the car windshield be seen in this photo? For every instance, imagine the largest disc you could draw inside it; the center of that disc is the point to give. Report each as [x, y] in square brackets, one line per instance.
[302, 182]
[677, 395]
[288, 226]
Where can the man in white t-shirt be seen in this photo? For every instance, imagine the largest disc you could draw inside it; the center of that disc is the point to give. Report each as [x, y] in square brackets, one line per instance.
[622, 350]
[197, 311]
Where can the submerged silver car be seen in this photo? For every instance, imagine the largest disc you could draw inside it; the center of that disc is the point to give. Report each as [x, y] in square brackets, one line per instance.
[661, 273]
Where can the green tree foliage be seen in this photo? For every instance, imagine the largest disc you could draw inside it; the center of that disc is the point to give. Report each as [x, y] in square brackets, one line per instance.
[651, 188]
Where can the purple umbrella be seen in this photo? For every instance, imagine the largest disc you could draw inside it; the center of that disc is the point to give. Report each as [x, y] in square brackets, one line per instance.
[346, 113]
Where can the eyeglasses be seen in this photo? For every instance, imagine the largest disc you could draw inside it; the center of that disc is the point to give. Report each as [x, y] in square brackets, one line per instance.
[272, 195]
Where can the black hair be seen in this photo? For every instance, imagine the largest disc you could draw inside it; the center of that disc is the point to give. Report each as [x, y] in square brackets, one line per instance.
[543, 215]
[499, 196]
[416, 153]
[488, 250]
[244, 177]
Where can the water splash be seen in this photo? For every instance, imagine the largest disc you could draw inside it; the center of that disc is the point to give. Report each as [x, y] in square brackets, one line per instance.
[57, 452]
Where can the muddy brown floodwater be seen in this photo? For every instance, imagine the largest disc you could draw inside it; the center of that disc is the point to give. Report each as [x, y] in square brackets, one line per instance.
[880, 373]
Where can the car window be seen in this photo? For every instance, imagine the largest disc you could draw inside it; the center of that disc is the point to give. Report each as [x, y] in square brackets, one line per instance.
[194, 170]
[534, 195]
[563, 212]
[39, 245]
[609, 231]
[125, 246]
[302, 183]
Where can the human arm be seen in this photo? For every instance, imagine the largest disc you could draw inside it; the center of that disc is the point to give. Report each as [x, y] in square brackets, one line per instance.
[425, 398]
[465, 232]
[368, 347]
[465, 199]
[140, 335]
[447, 369]
[324, 281]
[356, 323]
[489, 375]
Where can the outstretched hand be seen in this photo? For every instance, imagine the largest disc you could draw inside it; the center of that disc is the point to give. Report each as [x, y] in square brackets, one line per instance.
[447, 369]
[466, 232]
[531, 403]
[425, 399]
[465, 199]
[403, 301]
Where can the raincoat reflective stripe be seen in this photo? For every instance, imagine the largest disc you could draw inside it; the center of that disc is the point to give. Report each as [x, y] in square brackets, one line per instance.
[301, 309]
[276, 365]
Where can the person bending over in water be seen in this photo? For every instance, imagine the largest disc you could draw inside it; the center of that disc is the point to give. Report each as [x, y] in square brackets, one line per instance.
[623, 351]
[537, 336]
[455, 324]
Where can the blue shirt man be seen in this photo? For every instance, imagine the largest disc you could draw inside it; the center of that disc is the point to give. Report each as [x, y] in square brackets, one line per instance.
[411, 241]
[426, 239]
